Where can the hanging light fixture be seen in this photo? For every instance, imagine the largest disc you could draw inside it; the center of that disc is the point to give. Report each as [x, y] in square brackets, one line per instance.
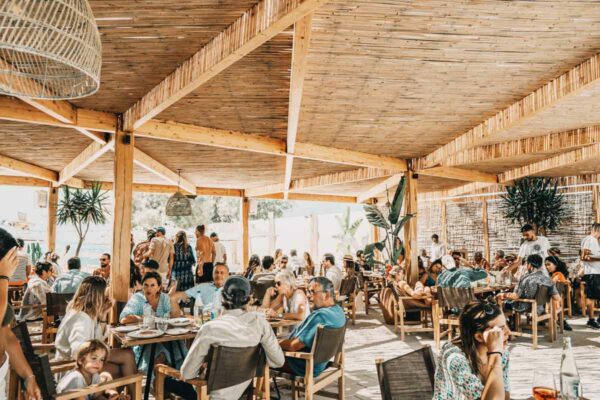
[178, 205]
[49, 49]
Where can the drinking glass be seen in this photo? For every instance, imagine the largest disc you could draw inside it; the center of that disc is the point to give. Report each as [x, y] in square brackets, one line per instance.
[162, 324]
[544, 386]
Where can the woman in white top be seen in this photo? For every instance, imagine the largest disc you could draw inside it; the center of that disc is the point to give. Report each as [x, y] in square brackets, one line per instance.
[293, 300]
[35, 294]
[82, 323]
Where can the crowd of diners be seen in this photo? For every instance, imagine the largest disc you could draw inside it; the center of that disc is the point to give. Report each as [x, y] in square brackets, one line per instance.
[167, 274]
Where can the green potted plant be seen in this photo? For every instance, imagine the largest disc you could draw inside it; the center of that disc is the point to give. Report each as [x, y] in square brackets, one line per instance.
[389, 219]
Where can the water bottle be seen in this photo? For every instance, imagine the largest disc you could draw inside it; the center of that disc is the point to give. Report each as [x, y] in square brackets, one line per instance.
[148, 320]
[198, 312]
[570, 383]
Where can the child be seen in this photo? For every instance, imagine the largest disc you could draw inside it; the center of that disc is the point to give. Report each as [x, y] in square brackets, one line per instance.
[90, 357]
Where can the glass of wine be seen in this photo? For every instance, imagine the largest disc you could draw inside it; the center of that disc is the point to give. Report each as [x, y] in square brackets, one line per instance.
[544, 386]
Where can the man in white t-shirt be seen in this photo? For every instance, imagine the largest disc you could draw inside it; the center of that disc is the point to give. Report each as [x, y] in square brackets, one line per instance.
[590, 257]
[438, 249]
[532, 244]
[221, 255]
[332, 272]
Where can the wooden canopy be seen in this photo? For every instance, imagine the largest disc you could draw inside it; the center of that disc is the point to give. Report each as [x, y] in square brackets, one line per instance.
[322, 100]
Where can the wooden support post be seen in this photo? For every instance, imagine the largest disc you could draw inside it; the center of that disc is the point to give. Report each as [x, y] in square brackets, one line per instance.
[123, 190]
[444, 232]
[245, 208]
[596, 203]
[410, 230]
[314, 239]
[52, 210]
[486, 231]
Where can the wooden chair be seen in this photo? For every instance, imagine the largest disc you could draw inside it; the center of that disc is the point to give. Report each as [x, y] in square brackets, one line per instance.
[226, 367]
[566, 291]
[403, 378]
[584, 301]
[347, 297]
[56, 307]
[368, 288]
[405, 304]
[448, 301]
[542, 296]
[259, 288]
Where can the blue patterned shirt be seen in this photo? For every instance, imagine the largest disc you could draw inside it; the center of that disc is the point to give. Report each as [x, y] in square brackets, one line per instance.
[137, 302]
[460, 277]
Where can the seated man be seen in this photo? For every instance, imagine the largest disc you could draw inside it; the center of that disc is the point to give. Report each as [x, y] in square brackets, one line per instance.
[458, 277]
[268, 270]
[529, 285]
[210, 292]
[70, 281]
[235, 328]
[325, 313]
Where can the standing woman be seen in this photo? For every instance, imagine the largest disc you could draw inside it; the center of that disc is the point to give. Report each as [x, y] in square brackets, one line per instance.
[309, 265]
[85, 312]
[184, 263]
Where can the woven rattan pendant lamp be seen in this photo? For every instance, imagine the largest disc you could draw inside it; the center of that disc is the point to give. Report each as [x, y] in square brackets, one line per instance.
[178, 205]
[49, 49]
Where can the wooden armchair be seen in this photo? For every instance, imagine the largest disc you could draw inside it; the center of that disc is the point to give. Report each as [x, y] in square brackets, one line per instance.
[260, 287]
[369, 289]
[584, 301]
[347, 297]
[328, 344]
[404, 304]
[542, 296]
[56, 307]
[226, 367]
[402, 378]
[448, 301]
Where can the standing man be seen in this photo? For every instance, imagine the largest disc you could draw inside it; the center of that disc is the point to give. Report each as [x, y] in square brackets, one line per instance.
[532, 244]
[332, 272]
[221, 252]
[295, 262]
[162, 250]
[205, 253]
[438, 249]
[590, 255]
[142, 248]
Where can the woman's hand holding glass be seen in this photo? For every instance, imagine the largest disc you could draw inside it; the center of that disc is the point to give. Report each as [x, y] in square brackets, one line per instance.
[494, 339]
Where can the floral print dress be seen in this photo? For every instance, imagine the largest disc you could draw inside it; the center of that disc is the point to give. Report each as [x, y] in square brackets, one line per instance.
[183, 267]
[454, 378]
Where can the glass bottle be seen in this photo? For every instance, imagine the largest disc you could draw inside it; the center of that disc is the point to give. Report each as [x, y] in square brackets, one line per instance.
[570, 382]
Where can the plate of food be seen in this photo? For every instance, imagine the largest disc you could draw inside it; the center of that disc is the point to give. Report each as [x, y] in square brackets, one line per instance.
[145, 334]
[177, 331]
[126, 328]
[179, 321]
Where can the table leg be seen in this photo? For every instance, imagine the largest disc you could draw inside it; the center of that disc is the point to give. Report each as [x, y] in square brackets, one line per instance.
[150, 371]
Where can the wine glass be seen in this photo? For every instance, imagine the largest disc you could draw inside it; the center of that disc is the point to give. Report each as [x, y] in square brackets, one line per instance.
[544, 386]
[162, 324]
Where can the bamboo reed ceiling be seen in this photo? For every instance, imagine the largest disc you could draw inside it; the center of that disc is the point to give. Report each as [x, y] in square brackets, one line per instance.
[392, 78]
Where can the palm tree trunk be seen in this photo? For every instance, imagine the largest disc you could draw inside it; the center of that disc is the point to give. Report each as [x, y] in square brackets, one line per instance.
[79, 244]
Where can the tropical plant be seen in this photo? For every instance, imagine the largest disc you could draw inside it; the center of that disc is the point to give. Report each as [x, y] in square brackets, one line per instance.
[534, 201]
[389, 219]
[81, 208]
[35, 252]
[347, 243]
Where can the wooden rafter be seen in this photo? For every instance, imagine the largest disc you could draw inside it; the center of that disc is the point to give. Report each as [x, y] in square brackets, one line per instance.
[379, 188]
[28, 169]
[255, 27]
[90, 154]
[264, 190]
[299, 61]
[338, 178]
[558, 161]
[553, 142]
[347, 157]
[145, 161]
[460, 174]
[569, 83]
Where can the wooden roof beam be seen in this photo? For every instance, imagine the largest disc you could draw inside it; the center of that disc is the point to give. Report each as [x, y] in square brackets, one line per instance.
[28, 169]
[90, 154]
[255, 27]
[156, 167]
[558, 161]
[379, 188]
[299, 61]
[170, 189]
[459, 174]
[568, 84]
[264, 190]
[347, 157]
[339, 178]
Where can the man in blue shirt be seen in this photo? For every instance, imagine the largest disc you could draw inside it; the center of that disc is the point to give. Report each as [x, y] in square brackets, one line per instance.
[69, 282]
[325, 313]
[210, 292]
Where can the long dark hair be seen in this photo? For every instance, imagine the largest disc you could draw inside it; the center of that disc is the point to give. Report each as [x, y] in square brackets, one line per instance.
[475, 318]
[181, 240]
[560, 265]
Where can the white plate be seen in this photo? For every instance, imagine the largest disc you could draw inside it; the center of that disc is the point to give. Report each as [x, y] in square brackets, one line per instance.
[177, 331]
[126, 328]
[179, 321]
[145, 334]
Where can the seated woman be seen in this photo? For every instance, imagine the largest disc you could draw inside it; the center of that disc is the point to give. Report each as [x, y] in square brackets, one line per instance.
[421, 295]
[35, 294]
[558, 273]
[435, 269]
[89, 306]
[162, 306]
[253, 267]
[293, 300]
[475, 365]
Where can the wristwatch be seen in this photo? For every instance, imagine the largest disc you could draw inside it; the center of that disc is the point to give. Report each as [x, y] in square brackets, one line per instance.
[280, 315]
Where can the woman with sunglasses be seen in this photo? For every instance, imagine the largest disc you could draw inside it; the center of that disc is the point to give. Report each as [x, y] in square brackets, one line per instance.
[475, 365]
[285, 295]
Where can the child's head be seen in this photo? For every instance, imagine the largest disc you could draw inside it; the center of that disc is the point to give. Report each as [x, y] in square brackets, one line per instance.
[91, 356]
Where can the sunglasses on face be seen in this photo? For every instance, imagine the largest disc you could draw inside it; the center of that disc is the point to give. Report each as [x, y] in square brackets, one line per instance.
[277, 283]
[488, 305]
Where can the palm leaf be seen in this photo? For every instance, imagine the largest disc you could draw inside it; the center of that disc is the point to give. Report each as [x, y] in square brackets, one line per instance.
[396, 205]
[375, 216]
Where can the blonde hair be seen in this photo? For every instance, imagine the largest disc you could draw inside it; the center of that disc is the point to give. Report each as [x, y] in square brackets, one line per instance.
[90, 297]
[89, 347]
[287, 278]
